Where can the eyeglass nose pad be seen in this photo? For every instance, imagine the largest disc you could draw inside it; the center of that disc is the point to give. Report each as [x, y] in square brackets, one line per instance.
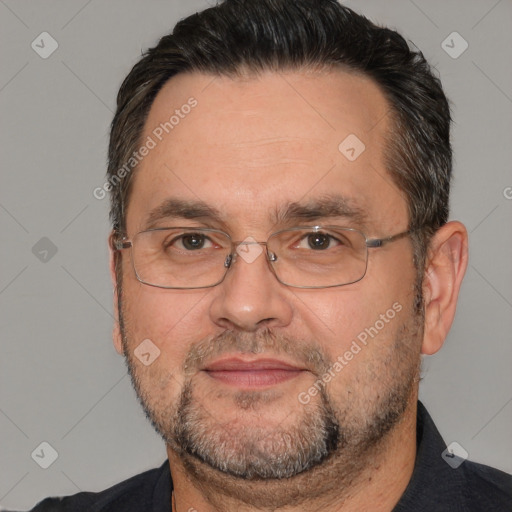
[272, 257]
[228, 261]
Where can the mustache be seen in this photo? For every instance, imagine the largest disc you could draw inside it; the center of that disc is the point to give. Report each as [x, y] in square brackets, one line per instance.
[265, 342]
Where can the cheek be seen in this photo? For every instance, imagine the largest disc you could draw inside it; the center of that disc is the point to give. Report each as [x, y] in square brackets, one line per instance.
[369, 310]
[334, 318]
[333, 314]
[362, 348]
[171, 319]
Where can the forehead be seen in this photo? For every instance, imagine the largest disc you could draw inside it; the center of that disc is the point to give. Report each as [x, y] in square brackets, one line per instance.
[247, 146]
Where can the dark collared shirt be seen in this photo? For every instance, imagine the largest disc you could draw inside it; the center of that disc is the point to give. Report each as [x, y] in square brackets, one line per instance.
[435, 485]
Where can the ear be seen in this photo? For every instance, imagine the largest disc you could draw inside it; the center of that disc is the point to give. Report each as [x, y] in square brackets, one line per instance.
[446, 265]
[116, 331]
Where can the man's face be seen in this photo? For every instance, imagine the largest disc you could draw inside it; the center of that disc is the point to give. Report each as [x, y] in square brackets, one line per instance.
[247, 380]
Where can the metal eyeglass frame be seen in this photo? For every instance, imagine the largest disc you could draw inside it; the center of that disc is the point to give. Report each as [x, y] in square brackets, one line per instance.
[122, 242]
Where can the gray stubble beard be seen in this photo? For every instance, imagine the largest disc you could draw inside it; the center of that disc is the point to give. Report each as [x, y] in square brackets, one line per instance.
[327, 446]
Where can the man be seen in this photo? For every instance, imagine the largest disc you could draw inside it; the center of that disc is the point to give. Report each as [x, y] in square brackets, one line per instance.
[282, 258]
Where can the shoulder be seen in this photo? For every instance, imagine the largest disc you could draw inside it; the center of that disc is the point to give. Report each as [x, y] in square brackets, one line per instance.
[441, 486]
[141, 492]
[486, 488]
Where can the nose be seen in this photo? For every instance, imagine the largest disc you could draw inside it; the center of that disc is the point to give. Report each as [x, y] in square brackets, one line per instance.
[250, 297]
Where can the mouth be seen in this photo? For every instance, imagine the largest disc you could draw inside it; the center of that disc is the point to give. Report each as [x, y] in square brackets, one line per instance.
[252, 374]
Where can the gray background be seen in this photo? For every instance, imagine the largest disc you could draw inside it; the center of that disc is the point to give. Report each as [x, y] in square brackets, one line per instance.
[60, 378]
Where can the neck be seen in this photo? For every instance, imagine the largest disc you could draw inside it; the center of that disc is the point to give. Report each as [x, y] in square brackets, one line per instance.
[377, 482]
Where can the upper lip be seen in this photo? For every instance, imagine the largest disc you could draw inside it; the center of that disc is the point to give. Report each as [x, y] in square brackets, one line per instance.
[239, 364]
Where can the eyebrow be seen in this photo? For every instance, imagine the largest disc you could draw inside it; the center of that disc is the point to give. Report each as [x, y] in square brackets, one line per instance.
[325, 207]
[321, 208]
[182, 209]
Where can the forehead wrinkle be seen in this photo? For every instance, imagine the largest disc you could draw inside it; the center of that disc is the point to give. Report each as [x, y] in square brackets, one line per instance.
[275, 141]
[272, 151]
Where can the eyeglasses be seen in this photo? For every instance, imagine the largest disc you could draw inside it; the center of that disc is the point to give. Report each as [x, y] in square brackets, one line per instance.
[301, 257]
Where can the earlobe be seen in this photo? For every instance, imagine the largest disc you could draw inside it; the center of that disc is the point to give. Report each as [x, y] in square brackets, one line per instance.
[445, 268]
[116, 331]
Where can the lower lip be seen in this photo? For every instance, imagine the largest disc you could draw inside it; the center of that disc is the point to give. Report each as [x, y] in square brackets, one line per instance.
[253, 378]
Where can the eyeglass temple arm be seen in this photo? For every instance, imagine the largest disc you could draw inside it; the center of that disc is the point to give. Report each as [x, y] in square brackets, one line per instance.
[119, 244]
[379, 242]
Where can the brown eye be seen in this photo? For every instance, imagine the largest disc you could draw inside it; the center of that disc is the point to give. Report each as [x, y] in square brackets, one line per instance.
[319, 241]
[193, 241]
